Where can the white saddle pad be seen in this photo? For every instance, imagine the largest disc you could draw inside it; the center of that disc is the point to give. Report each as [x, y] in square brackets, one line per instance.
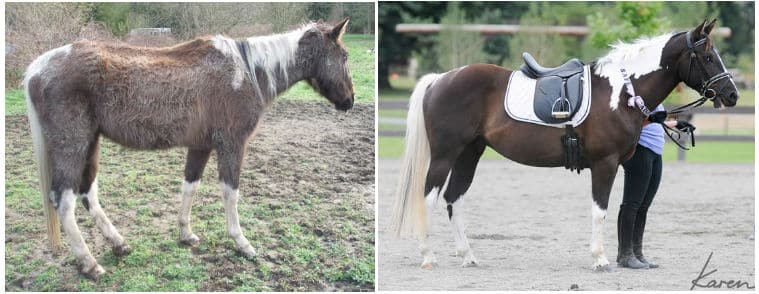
[520, 94]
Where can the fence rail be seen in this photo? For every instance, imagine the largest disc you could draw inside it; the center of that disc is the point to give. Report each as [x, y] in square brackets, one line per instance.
[422, 28]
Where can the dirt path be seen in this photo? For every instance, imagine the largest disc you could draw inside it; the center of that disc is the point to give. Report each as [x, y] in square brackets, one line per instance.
[530, 228]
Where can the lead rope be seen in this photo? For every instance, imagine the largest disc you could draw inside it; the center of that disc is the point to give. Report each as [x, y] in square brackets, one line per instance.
[637, 101]
[634, 100]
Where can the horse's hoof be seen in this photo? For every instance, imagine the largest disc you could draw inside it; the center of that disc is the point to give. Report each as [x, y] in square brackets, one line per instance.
[603, 268]
[248, 252]
[122, 250]
[191, 240]
[94, 273]
[428, 266]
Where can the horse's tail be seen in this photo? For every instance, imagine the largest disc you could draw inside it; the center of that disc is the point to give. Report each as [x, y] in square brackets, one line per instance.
[409, 212]
[43, 157]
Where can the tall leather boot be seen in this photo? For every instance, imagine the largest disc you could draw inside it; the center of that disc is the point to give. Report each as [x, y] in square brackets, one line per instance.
[625, 226]
[637, 238]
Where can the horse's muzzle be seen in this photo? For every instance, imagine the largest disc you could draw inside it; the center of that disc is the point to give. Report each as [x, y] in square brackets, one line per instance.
[345, 104]
[728, 101]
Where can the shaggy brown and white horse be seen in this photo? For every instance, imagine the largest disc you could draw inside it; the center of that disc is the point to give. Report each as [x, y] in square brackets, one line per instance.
[206, 94]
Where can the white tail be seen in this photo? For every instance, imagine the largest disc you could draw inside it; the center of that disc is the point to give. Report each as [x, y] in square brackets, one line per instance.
[409, 211]
[43, 162]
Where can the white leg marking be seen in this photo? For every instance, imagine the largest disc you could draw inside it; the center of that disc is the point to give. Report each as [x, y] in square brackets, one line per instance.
[424, 246]
[459, 225]
[101, 220]
[230, 196]
[596, 242]
[185, 229]
[74, 236]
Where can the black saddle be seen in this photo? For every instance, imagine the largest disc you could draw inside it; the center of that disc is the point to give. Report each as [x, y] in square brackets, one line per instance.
[532, 69]
[558, 92]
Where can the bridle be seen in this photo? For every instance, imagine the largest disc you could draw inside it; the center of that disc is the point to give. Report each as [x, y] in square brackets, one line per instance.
[706, 91]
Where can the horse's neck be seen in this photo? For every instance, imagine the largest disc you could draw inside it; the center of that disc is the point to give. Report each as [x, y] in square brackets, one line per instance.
[272, 62]
[654, 87]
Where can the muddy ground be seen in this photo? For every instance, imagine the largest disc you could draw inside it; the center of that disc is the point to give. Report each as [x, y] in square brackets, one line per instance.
[530, 228]
[307, 206]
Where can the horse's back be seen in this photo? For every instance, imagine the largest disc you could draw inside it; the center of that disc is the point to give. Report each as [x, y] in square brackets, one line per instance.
[144, 98]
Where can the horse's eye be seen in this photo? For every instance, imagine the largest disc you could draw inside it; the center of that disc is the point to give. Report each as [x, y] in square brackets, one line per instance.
[708, 58]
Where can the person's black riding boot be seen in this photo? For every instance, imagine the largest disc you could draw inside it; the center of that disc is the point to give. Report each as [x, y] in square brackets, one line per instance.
[625, 224]
[637, 238]
[619, 234]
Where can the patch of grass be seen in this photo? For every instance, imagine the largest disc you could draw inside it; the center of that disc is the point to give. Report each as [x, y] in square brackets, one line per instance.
[361, 64]
[727, 152]
[397, 113]
[392, 147]
[15, 102]
[713, 152]
[49, 279]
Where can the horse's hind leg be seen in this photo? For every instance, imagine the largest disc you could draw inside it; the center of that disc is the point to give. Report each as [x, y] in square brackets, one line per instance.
[230, 161]
[68, 159]
[434, 186]
[459, 182]
[89, 194]
[193, 171]
[441, 162]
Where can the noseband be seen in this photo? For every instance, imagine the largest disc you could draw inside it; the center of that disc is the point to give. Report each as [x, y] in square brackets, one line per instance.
[706, 91]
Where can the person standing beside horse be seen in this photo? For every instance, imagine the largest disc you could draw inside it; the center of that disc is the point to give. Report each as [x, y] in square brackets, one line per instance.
[642, 176]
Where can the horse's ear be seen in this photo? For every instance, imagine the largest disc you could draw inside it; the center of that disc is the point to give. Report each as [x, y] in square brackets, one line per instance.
[707, 29]
[696, 34]
[339, 29]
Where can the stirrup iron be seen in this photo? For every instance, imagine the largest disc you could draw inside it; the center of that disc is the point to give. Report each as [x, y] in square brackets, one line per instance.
[562, 111]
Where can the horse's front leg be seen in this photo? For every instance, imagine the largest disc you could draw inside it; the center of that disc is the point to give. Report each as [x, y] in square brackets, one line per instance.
[230, 161]
[193, 171]
[603, 173]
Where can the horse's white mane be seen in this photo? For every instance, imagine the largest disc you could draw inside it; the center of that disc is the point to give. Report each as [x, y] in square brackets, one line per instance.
[269, 53]
[638, 58]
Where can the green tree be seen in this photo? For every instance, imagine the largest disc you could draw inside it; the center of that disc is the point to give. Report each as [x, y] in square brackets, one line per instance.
[636, 19]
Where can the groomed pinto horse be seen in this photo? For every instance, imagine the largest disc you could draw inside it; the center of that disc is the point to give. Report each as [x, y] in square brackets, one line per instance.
[206, 94]
[453, 116]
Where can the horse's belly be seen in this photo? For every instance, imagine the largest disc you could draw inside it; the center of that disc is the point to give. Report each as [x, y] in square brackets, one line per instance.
[530, 145]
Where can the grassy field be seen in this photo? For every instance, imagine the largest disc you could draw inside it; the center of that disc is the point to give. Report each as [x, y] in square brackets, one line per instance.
[309, 212]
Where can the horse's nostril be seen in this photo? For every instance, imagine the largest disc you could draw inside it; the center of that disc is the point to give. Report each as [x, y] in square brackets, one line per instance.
[734, 95]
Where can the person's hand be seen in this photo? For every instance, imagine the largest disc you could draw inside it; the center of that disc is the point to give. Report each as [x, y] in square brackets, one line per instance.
[685, 126]
[670, 123]
[658, 116]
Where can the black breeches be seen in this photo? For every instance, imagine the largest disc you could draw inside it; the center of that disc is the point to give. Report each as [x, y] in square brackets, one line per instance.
[642, 177]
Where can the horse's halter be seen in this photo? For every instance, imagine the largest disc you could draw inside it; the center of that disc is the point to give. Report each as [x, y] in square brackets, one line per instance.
[706, 91]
